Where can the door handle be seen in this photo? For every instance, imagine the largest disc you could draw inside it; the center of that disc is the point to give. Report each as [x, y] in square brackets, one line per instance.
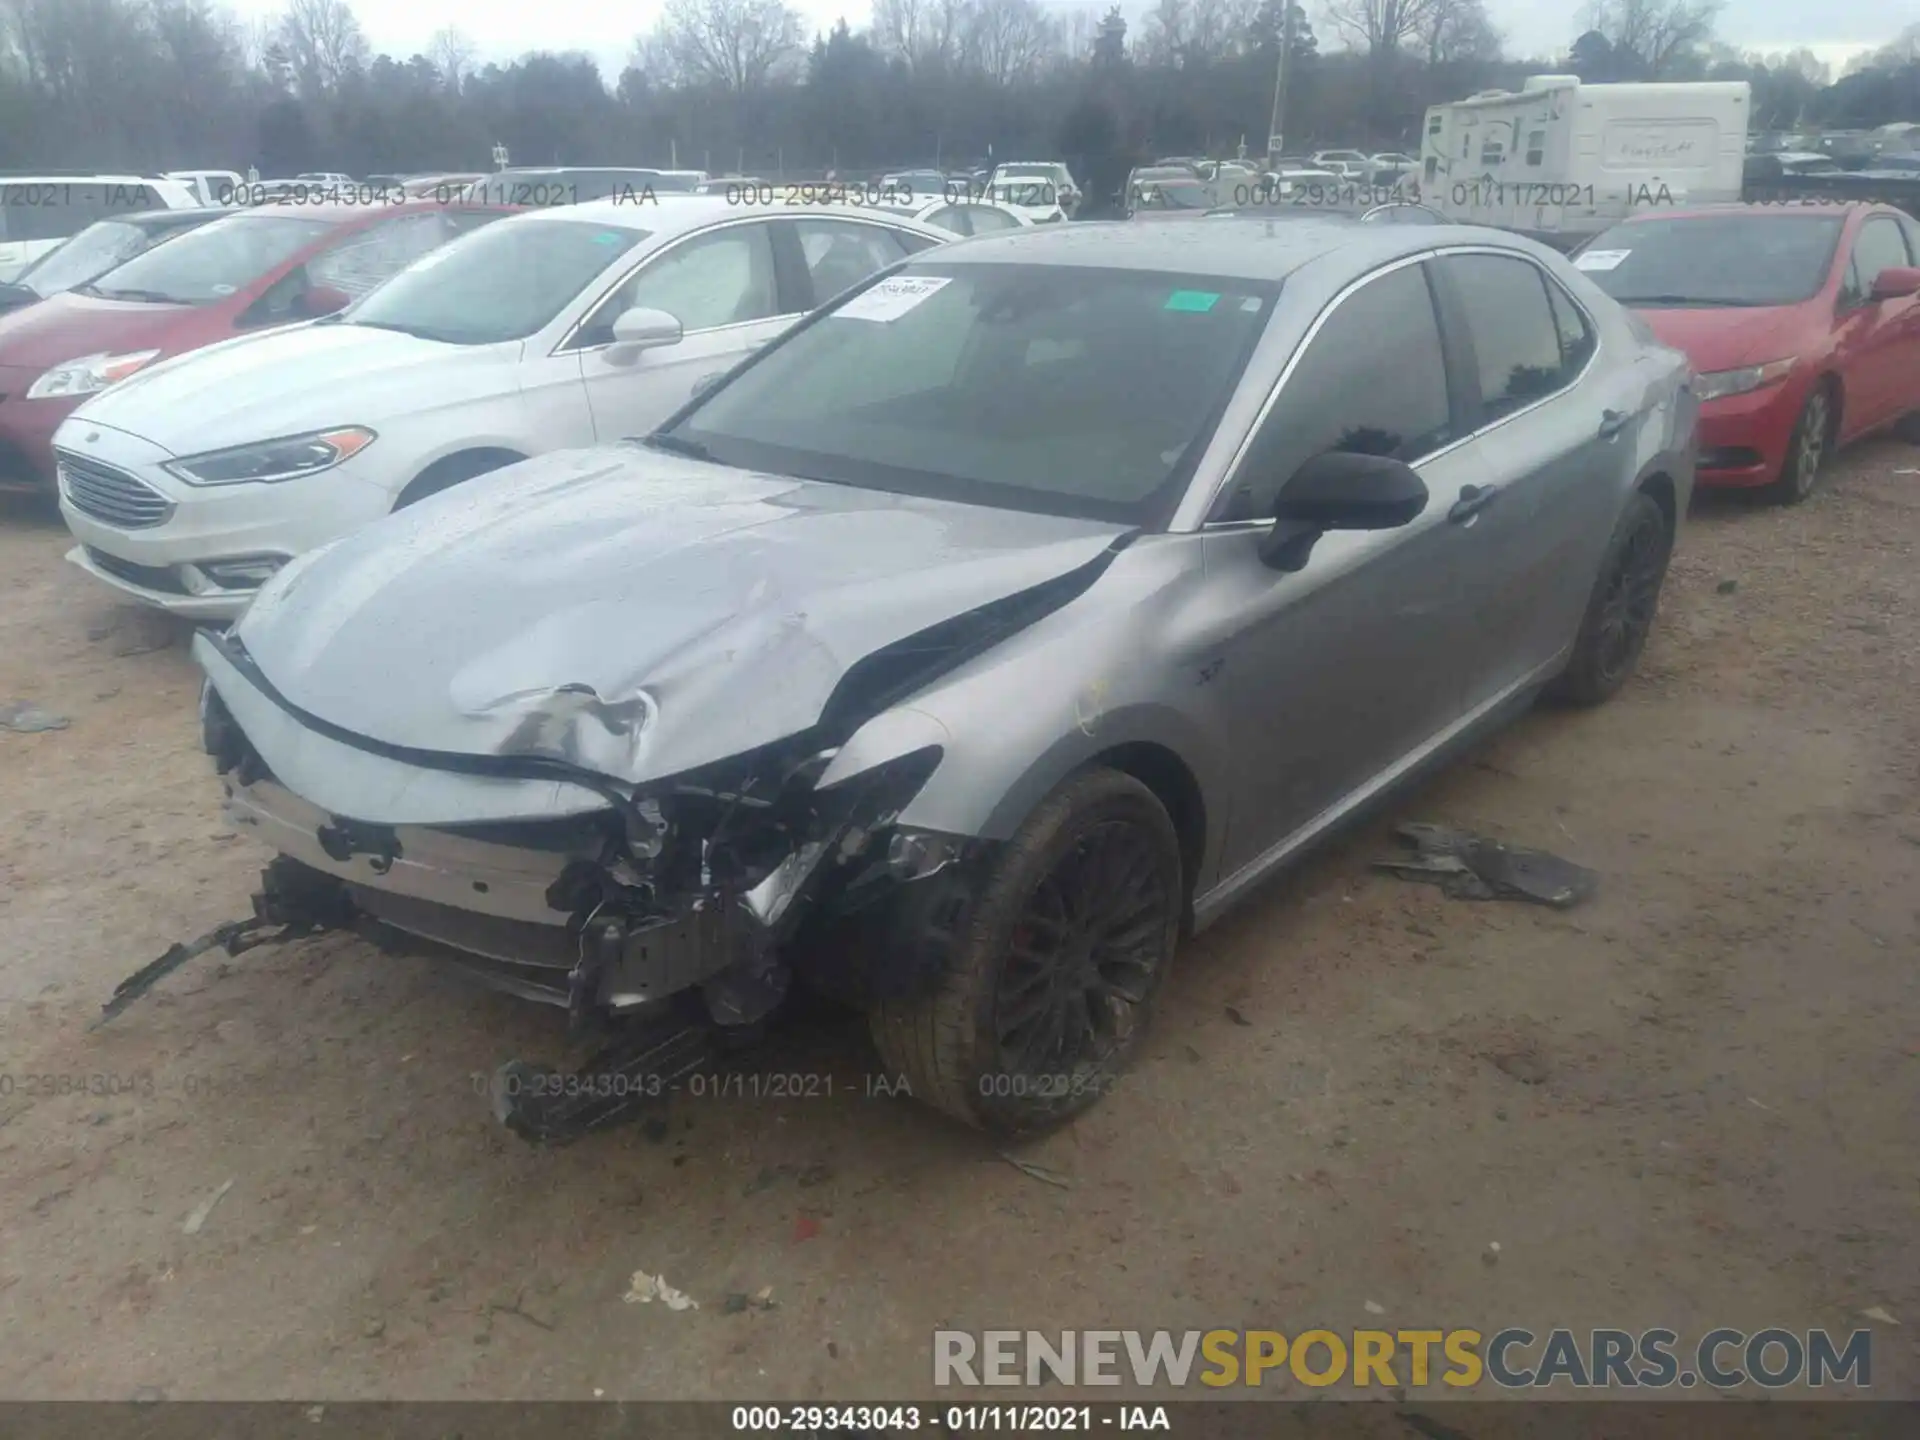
[1612, 422]
[1473, 499]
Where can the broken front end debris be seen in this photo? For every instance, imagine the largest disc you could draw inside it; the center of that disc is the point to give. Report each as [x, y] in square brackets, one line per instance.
[681, 912]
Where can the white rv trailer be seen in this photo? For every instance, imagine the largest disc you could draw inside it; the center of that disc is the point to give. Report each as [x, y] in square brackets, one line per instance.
[1559, 158]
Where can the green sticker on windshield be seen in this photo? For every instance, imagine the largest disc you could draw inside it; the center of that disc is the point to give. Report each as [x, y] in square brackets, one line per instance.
[607, 237]
[1196, 301]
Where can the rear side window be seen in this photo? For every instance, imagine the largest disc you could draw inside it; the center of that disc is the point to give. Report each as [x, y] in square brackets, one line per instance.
[1516, 339]
[1576, 335]
[842, 253]
[1881, 246]
[1373, 381]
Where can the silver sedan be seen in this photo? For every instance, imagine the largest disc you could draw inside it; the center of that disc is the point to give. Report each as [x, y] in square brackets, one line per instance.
[971, 644]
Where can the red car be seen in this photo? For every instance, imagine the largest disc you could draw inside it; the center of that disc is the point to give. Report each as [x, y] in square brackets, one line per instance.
[1802, 322]
[273, 265]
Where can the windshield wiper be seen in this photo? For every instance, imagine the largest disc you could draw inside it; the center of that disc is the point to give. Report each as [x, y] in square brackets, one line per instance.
[152, 297]
[678, 445]
[1700, 300]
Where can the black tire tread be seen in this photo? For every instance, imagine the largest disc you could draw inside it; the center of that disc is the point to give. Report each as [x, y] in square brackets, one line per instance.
[1581, 683]
[929, 1038]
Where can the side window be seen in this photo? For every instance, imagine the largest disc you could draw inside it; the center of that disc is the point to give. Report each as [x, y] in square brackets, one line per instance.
[1576, 336]
[51, 209]
[1880, 246]
[1536, 146]
[1373, 381]
[724, 277]
[376, 254]
[950, 217]
[840, 254]
[280, 303]
[1516, 342]
[986, 219]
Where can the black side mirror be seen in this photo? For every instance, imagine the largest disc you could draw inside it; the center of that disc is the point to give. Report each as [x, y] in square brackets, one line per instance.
[1340, 491]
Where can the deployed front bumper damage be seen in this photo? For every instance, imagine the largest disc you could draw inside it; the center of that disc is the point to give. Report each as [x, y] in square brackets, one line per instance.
[612, 900]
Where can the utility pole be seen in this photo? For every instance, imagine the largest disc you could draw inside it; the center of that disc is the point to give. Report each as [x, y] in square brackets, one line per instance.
[1274, 138]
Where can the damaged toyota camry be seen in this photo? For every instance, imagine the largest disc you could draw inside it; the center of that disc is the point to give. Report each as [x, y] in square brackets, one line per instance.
[965, 648]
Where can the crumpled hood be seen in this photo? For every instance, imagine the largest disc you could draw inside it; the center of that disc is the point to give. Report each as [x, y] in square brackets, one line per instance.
[630, 612]
[276, 382]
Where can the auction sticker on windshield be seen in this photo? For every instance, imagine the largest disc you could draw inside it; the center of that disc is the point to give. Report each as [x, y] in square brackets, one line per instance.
[1600, 259]
[891, 298]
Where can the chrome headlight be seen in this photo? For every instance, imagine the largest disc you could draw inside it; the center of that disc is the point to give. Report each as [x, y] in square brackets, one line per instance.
[1720, 383]
[288, 458]
[88, 374]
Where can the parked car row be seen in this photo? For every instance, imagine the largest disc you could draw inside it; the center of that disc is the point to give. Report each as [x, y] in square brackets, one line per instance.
[651, 610]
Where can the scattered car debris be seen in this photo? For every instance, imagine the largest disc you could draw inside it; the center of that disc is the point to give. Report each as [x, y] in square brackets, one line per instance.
[644, 1289]
[1471, 867]
[1523, 1063]
[1236, 1017]
[637, 1072]
[739, 1302]
[1042, 1173]
[23, 717]
[281, 906]
[1880, 1313]
[198, 1218]
[805, 1227]
[1726, 587]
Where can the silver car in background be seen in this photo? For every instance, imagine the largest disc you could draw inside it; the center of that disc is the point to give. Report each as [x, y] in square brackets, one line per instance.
[994, 628]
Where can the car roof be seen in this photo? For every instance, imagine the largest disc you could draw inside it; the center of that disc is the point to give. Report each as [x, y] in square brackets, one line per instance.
[1236, 246]
[677, 213]
[1735, 207]
[343, 214]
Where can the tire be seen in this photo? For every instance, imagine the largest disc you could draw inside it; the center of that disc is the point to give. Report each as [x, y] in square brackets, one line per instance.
[1806, 449]
[965, 1047]
[1620, 612]
[452, 471]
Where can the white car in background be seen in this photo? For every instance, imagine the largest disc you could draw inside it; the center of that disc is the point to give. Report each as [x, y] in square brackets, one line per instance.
[213, 187]
[546, 330]
[1353, 164]
[1052, 175]
[38, 212]
[1037, 201]
[959, 215]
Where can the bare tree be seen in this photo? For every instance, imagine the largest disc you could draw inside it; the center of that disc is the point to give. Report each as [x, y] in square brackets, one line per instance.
[929, 35]
[734, 44]
[1453, 30]
[451, 52]
[1656, 32]
[1382, 27]
[1009, 40]
[324, 41]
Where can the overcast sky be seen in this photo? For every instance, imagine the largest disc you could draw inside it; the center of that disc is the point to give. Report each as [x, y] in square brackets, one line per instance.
[505, 29]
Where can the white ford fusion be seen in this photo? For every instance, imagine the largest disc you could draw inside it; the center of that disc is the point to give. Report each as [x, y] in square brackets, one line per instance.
[191, 483]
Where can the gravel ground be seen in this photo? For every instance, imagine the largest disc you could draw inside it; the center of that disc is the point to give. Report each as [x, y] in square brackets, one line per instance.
[1690, 1102]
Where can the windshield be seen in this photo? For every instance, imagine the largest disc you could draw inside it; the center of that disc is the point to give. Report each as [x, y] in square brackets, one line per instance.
[94, 251]
[1025, 192]
[1735, 259]
[1061, 389]
[207, 265]
[501, 282]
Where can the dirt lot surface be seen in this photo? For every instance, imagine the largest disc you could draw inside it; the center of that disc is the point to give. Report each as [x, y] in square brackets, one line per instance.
[1690, 1102]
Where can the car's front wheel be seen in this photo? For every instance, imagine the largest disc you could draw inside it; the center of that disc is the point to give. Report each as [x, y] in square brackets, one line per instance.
[1048, 986]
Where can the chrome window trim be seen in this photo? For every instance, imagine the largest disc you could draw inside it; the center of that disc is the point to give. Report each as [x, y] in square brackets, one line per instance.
[1313, 330]
[566, 345]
